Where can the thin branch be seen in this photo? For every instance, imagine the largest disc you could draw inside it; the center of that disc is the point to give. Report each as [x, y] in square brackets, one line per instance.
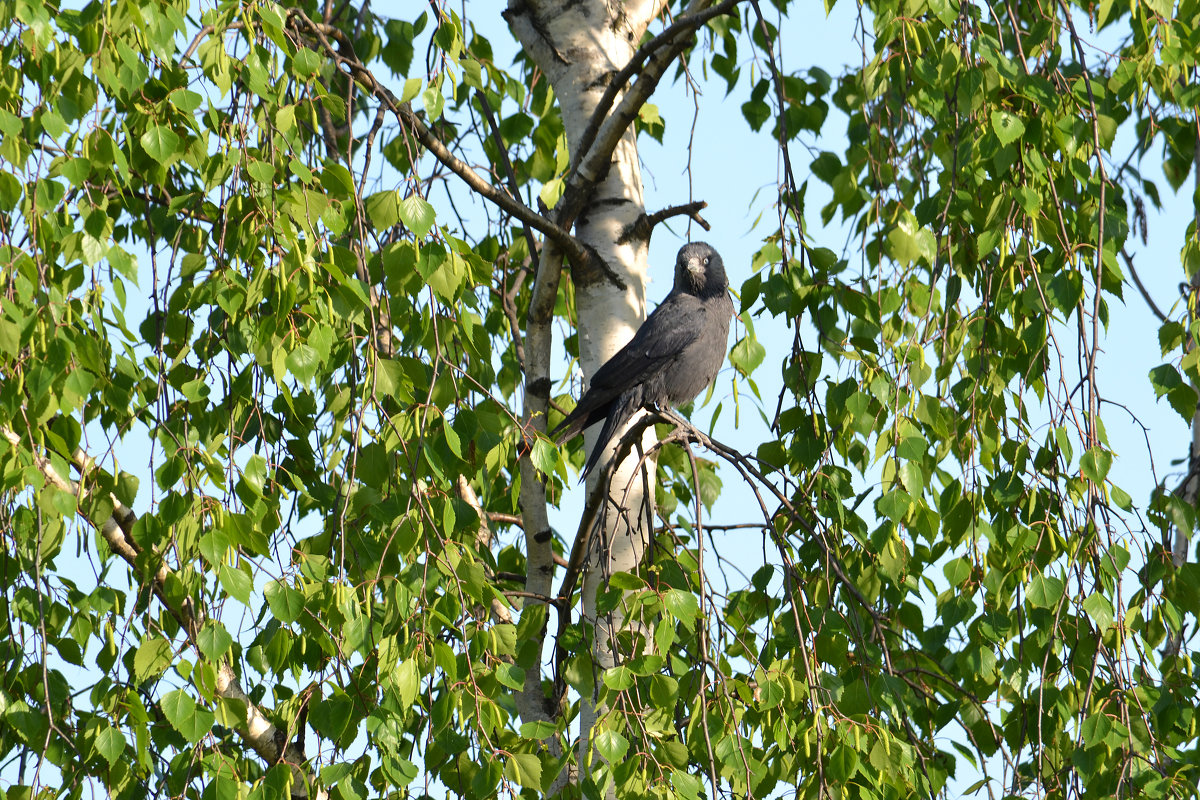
[1142, 289]
[510, 174]
[344, 55]
[777, 79]
[644, 226]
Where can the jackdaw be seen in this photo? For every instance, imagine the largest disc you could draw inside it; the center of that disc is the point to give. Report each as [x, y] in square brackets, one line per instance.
[674, 355]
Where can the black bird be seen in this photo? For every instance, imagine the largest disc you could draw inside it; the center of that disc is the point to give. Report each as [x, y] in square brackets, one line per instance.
[674, 355]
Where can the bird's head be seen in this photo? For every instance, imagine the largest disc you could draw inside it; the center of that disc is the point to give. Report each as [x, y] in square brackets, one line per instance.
[700, 271]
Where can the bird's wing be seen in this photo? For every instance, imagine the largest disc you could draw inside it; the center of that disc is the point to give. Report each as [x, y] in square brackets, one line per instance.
[672, 326]
[675, 324]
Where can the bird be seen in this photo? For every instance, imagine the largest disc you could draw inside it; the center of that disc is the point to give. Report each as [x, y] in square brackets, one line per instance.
[675, 354]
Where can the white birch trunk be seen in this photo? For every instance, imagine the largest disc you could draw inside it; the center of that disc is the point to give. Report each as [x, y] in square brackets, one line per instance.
[578, 46]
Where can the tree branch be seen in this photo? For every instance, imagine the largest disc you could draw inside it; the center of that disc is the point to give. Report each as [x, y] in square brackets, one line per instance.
[1142, 289]
[681, 30]
[344, 55]
[257, 730]
[686, 432]
[645, 225]
[509, 173]
[532, 702]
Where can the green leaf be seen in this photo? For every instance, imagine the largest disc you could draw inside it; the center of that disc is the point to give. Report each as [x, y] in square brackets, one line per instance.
[337, 180]
[237, 583]
[913, 478]
[53, 124]
[181, 711]
[383, 209]
[472, 72]
[417, 215]
[625, 581]
[1099, 609]
[1121, 498]
[538, 729]
[1044, 592]
[453, 441]
[10, 191]
[843, 763]
[908, 242]
[161, 144]
[544, 456]
[747, 354]
[92, 248]
[286, 603]
[1029, 199]
[1095, 463]
[444, 272]
[957, 571]
[756, 113]
[687, 785]
[550, 192]
[185, 100]
[1007, 126]
[895, 505]
[407, 681]
[110, 744]
[610, 744]
[1163, 8]
[1183, 399]
[511, 676]
[214, 640]
[305, 62]
[619, 678]
[525, 769]
[682, 605]
[664, 691]
[261, 171]
[1064, 290]
[255, 476]
[433, 101]
[770, 694]
[1095, 729]
[412, 88]
[152, 658]
[303, 363]
[285, 119]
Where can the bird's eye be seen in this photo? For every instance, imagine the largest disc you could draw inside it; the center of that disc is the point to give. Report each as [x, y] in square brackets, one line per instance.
[706, 260]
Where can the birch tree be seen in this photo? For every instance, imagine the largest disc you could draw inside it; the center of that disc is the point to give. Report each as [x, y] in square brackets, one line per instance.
[290, 296]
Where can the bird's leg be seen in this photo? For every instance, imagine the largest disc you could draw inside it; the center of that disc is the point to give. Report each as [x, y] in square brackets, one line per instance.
[660, 410]
[673, 416]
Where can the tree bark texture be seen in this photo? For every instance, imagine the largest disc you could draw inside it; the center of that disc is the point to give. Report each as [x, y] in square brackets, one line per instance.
[581, 47]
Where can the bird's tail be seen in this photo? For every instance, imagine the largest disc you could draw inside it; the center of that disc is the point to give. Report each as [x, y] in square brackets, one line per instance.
[581, 417]
[619, 412]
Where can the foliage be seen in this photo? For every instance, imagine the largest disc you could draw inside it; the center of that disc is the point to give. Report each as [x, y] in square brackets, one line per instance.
[249, 312]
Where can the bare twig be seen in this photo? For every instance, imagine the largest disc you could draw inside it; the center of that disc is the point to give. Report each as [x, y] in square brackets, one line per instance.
[644, 226]
[509, 173]
[1142, 289]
